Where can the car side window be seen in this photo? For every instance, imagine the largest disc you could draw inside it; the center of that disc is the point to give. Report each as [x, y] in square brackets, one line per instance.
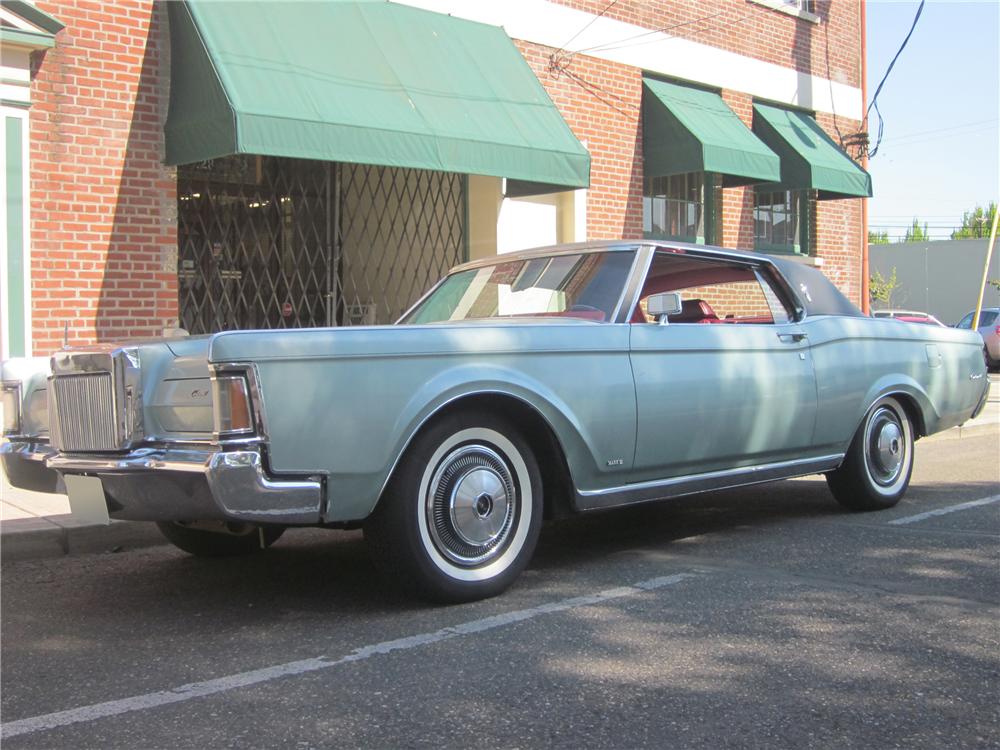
[712, 292]
[966, 322]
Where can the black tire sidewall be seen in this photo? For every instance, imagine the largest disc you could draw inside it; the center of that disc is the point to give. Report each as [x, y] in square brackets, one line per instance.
[204, 543]
[852, 484]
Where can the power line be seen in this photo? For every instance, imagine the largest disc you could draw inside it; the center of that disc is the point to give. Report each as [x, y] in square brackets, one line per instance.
[621, 43]
[878, 89]
[596, 91]
[607, 7]
[949, 127]
[900, 144]
[559, 63]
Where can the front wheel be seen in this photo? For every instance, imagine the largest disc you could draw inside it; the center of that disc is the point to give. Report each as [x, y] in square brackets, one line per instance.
[219, 538]
[462, 514]
[876, 470]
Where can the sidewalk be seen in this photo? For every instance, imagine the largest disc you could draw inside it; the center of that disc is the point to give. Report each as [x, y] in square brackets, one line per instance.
[36, 525]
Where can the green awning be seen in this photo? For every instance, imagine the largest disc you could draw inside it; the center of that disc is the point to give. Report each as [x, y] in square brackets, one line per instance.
[689, 130]
[368, 82]
[809, 157]
[31, 28]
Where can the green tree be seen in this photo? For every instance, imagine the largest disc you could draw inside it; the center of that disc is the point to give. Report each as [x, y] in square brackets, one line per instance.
[976, 223]
[917, 234]
[878, 238]
[881, 289]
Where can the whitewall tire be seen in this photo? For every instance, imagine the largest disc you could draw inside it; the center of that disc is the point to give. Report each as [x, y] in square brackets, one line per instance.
[461, 516]
[877, 468]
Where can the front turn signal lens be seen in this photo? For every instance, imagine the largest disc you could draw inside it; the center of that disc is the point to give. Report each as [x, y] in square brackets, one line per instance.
[10, 403]
[233, 413]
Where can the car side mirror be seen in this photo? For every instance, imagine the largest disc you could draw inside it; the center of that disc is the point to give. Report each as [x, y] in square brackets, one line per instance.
[664, 304]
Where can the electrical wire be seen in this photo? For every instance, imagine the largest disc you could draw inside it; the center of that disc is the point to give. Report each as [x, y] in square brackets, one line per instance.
[621, 43]
[949, 127]
[597, 92]
[559, 63]
[607, 7]
[878, 89]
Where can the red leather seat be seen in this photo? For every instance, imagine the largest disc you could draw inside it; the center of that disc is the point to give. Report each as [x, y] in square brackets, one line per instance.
[695, 311]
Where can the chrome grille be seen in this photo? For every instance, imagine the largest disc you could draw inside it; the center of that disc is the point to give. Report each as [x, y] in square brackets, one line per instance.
[85, 413]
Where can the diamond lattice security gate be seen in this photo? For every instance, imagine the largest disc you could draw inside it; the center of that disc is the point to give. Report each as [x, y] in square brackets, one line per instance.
[269, 242]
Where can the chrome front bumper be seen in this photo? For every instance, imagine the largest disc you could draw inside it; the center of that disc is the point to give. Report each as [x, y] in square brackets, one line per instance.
[174, 484]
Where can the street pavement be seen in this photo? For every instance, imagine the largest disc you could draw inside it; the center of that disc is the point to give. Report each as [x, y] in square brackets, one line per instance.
[760, 617]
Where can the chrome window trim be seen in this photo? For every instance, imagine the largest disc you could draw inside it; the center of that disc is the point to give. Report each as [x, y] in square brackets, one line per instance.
[636, 247]
[759, 263]
[637, 280]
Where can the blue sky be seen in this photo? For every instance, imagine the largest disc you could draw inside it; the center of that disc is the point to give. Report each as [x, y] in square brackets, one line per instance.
[941, 106]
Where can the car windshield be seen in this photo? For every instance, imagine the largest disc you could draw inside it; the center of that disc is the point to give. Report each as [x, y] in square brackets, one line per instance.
[586, 285]
[986, 318]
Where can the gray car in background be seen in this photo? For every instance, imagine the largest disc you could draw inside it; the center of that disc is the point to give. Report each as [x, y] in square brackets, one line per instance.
[989, 329]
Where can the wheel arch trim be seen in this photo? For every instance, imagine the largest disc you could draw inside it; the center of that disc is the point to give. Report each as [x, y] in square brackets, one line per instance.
[918, 404]
[454, 401]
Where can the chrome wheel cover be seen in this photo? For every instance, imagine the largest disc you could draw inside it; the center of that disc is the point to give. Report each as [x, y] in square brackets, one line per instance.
[471, 505]
[885, 446]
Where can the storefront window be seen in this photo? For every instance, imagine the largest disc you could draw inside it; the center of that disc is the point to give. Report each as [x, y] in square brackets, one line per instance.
[681, 207]
[780, 221]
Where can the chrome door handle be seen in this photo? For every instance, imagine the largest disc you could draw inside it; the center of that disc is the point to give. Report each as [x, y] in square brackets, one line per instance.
[791, 338]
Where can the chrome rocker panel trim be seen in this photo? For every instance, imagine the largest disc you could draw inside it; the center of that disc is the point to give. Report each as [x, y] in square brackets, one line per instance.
[666, 489]
[191, 484]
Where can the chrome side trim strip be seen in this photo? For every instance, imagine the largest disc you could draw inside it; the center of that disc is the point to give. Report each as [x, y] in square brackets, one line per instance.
[664, 489]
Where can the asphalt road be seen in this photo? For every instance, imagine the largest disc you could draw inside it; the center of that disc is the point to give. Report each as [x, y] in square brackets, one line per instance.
[764, 617]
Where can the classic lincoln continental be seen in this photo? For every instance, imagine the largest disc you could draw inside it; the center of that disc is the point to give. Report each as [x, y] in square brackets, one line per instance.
[531, 385]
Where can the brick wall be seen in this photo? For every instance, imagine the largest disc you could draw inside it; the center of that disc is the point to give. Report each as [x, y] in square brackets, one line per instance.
[104, 230]
[831, 48]
[103, 206]
[601, 102]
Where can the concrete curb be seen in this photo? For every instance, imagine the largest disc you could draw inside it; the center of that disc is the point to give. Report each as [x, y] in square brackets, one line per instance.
[56, 536]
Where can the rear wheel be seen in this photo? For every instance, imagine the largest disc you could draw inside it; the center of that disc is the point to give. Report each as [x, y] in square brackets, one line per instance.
[219, 538]
[461, 516]
[876, 470]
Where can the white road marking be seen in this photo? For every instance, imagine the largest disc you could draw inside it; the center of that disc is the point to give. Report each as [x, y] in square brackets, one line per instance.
[194, 690]
[943, 511]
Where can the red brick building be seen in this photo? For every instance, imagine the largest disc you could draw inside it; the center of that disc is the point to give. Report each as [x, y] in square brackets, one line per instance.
[151, 191]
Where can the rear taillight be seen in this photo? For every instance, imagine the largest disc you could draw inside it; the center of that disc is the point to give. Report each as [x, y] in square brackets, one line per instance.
[997, 330]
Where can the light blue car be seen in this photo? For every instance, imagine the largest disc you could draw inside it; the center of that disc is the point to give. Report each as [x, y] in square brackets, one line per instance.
[527, 386]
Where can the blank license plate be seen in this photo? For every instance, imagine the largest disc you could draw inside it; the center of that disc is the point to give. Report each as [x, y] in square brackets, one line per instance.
[86, 499]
